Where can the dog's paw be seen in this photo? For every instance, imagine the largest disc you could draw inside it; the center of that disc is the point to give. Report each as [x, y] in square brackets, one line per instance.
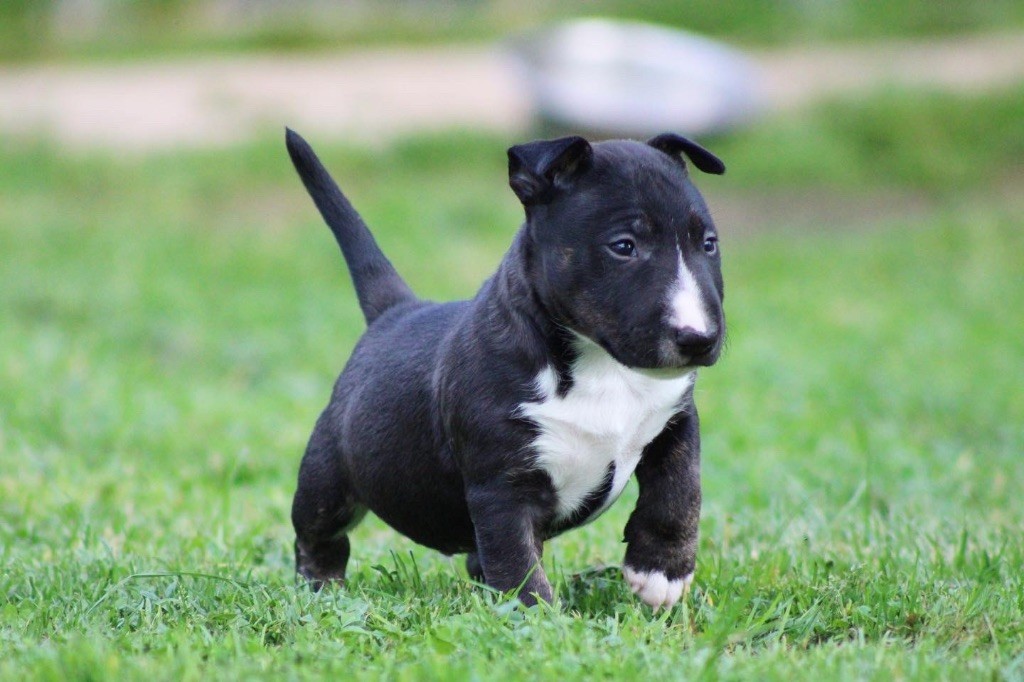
[654, 587]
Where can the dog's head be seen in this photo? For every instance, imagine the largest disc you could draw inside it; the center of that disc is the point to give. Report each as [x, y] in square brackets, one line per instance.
[622, 247]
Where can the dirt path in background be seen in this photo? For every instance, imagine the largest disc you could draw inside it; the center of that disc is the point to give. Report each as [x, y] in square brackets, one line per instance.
[373, 95]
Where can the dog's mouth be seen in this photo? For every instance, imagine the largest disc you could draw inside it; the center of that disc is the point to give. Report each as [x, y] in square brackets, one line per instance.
[665, 361]
[673, 358]
[703, 359]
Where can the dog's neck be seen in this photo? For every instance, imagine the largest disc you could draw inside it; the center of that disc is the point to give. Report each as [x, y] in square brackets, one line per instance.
[511, 296]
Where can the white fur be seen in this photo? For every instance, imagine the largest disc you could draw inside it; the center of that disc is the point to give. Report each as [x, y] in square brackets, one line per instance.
[686, 307]
[654, 587]
[608, 415]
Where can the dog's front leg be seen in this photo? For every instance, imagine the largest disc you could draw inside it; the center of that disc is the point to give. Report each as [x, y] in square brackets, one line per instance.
[662, 531]
[507, 542]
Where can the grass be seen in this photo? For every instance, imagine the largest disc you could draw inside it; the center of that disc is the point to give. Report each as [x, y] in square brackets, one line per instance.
[172, 325]
[917, 140]
[45, 29]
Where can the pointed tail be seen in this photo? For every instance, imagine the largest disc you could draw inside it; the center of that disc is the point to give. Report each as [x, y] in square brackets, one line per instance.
[378, 285]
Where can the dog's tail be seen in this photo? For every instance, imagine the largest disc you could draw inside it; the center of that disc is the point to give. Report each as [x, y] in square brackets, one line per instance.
[378, 285]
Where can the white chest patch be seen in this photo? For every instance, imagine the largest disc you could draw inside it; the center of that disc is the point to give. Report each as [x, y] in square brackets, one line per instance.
[608, 415]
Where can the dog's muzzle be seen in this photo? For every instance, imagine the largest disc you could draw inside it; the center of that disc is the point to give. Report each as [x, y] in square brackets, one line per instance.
[699, 348]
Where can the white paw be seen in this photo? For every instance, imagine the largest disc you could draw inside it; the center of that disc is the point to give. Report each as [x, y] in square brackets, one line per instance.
[655, 588]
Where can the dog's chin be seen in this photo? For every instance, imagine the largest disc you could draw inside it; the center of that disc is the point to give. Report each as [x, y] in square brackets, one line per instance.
[672, 362]
[673, 367]
[678, 366]
[664, 362]
[703, 360]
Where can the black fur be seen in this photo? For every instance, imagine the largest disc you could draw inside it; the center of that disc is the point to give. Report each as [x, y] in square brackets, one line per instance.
[661, 533]
[423, 426]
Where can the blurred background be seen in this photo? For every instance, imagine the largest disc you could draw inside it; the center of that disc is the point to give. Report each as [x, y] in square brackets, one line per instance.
[173, 313]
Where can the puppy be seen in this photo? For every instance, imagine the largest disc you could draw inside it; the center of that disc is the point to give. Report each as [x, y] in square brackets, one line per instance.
[490, 425]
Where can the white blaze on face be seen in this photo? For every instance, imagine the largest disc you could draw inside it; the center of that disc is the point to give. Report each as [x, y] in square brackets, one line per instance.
[686, 307]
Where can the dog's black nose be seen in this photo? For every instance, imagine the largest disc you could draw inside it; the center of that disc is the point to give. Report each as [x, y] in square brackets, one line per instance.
[694, 343]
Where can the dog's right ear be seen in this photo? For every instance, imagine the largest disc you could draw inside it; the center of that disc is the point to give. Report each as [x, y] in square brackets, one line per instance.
[538, 170]
[673, 145]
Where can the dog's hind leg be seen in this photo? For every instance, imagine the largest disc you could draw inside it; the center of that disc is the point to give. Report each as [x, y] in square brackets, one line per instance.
[474, 568]
[323, 512]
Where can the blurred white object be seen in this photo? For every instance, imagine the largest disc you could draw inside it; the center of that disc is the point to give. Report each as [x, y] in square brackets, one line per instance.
[632, 79]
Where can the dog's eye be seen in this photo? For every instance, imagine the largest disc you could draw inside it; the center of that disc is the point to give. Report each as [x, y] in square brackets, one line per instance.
[711, 245]
[623, 247]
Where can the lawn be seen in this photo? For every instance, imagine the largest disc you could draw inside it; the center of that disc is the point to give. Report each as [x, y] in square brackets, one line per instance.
[170, 327]
[104, 29]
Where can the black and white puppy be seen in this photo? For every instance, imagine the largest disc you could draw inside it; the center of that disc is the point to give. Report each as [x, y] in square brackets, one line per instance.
[490, 425]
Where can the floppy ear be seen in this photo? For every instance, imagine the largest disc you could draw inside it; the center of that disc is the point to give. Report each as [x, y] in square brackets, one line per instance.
[537, 170]
[673, 145]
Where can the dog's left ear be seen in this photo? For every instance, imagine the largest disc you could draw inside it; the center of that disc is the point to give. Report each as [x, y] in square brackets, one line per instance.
[673, 145]
[538, 170]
